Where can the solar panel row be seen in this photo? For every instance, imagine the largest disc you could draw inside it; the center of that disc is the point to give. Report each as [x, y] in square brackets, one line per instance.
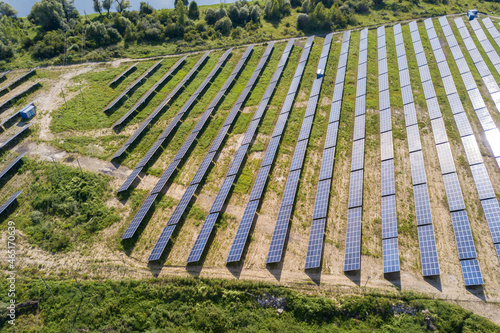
[9, 201]
[20, 94]
[202, 238]
[281, 227]
[214, 148]
[7, 143]
[17, 81]
[120, 76]
[11, 165]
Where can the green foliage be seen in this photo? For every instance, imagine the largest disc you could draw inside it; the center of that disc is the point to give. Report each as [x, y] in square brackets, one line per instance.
[7, 9]
[224, 25]
[49, 14]
[193, 11]
[98, 35]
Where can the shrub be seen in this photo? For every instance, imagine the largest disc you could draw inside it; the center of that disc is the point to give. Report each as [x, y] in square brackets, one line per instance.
[302, 21]
[210, 16]
[224, 25]
[193, 11]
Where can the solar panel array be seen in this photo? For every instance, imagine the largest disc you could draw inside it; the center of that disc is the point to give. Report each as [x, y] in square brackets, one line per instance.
[489, 127]
[463, 234]
[315, 244]
[120, 76]
[160, 107]
[12, 138]
[427, 241]
[11, 165]
[286, 206]
[17, 81]
[144, 97]
[9, 201]
[492, 30]
[132, 86]
[255, 195]
[11, 100]
[176, 120]
[214, 148]
[352, 258]
[235, 166]
[390, 249]
[476, 163]
[11, 117]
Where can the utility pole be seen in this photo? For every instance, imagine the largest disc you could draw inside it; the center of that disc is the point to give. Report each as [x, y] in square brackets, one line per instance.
[57, 168]
[85, 105]
[46, 285]
[62, 92]
[80, 166]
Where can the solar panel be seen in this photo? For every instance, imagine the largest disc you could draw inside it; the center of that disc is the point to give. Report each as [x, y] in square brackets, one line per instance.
[360, 107]
[9, 201]
[299, 154]
[352, 258]
[181, 207]
[386, 146]
[398, 40]
[422, 204]
[139, 216]
[279, 235]
[439, 55]
[363, 56]
[383, 82]
[407, 95]
[382, 66]
[415, 36]
[445, 158]
[493, 137]
[389, 217]
[390, 255]
[331, 135]
[356, 189]
[290, 188]
[447, 30]
[237, 160]
[5, 144]
[361, 87]
[439, 130]
[421, 60]
[413, 138]
[384, 100]
[477, 59]
[453, 192]
[11, 165]
[469, 81]
[130, 179]
[491, 84]
[471, 272]
[428, 89]
[425, 75]
[359, 128]
[387, 175]
[322, 197]
[342, 61]
[382, 53]
[472, 150]
[482, 68]
[311, 106]
[463, 235]
[492, 213]
[455, 104]
[305, 130]
[335, 111]
[417, 168]
[161, 243]
[327, 163]
[385, 120]
[218, 139]
[463, 124]
[485, 119]
[410, 114]
[358, 153]
[459, 59]
[402, 63]
[428, 251]
[220, 199]
[340, 75]
[482, 181]
[381, 41]
[315, 245]
[449, 85]
[201, 240]
[242, 233]
[497, 248]
[271, 151]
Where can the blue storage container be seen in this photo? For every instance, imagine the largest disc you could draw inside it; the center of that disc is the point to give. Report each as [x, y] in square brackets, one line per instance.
[471, 14]
[28, 112]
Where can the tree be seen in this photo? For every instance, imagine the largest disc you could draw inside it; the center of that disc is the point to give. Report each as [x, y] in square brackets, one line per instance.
[146, 8]
[255, 14]
[184, 2]
[98, 7]
[7, 10]
[224, 25]
[48, 14]
[106, 4]
[69, 9]
[193, 11]
[302, 21]
[233, 13]
[122, 5]
[180, 10]
[210, 16]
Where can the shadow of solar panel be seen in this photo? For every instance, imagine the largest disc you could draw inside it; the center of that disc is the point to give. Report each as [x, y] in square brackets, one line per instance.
[11, 165]
[463, 124]
[386, 146]
[237, 160]
[290, 188]
[471, 273]
[428, 252]
[305, 130]
[453, 192]
[360, 105]
[242, 233]
[445, 158]
[222, 194]
[130, 179]
[485, 119]
[417, 168]
[279, 235]
[139, 216]
[389, 217]
[161, 243]
[331, 135]
[455, 104]
[322, 197]
[358, 155]
[359, 128]
[10, 118]
[472, 150]
[356, 189]
[422, 205]
[385, 120]
[387, 176]
[315, 245]
[492, 213]
[439, 130]
[421, 59]
[463, 235]
[428, 89]
[9, 201]
[413, 138]
[352, 258]
[382, 51]
[390, 252]
[299, 154]
[482, 181]
[201, 240]
[271, 151]
[493, 137]
[202, 169]
[327, 163]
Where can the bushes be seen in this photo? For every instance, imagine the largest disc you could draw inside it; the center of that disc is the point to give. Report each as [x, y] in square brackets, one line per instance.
[224, 25]
[210, 16]
[51, 45]
[6, 51]
[98, 35]
[193, 11]
[302, 21]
